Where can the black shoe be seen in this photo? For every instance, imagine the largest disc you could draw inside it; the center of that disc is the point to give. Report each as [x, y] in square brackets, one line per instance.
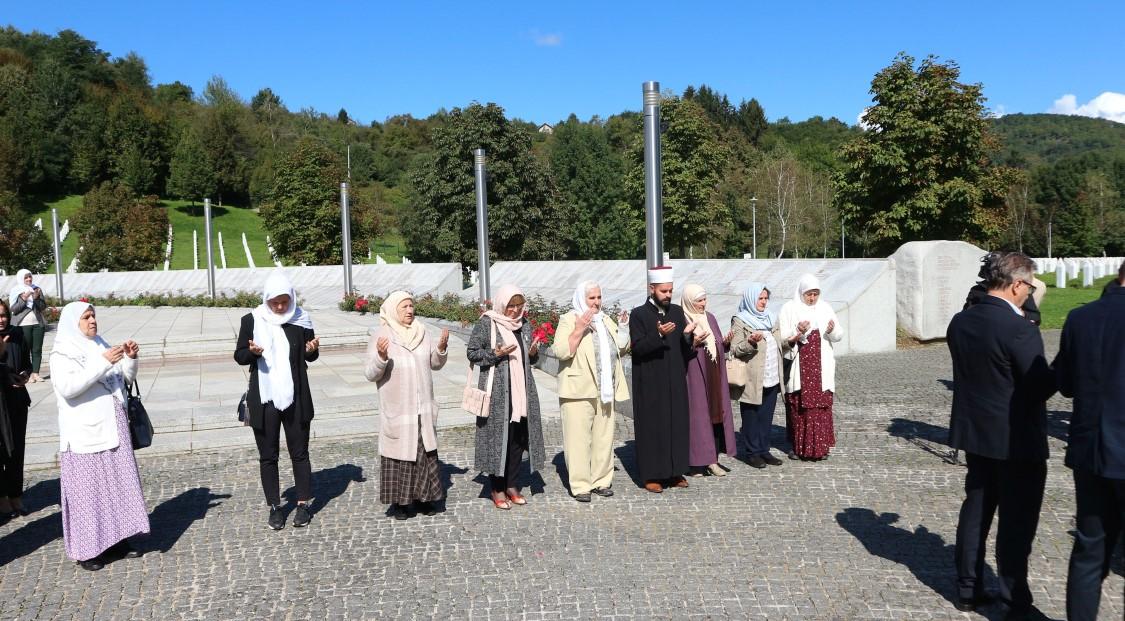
[398, 512]
[277, 518]
[302, 517]
[757, 461]
[582, 497]
[93, 564]
[1021, 614]
[792, 455]
[771, 460]
[970, 604]
[604, 492]
[124, 550]
[427, 508]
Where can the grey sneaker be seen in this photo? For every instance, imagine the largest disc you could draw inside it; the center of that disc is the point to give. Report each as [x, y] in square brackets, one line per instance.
[301, 517]
[277, 518]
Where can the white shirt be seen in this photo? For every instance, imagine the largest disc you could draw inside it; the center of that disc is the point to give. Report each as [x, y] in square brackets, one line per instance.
[770, 375]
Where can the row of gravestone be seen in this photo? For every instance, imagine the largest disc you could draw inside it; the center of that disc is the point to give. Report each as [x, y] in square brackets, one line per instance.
[1090, 269]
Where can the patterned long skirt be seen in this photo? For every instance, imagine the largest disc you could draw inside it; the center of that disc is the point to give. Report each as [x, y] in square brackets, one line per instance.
[102, 502]
[809, 410]
[403, 482]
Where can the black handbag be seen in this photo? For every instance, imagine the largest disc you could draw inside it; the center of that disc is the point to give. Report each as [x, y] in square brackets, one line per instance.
[140, 427]
[243, 411]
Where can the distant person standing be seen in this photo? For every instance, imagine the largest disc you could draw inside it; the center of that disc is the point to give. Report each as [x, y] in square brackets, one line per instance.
[28, 304]
[756, 342]
[1001, 384]
[16, 359]
[1090, 367]
[980, 290]
[662, 345]
[709, 410]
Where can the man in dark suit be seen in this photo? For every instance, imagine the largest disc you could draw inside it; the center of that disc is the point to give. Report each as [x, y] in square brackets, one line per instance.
[1091, 368]
[999, 419]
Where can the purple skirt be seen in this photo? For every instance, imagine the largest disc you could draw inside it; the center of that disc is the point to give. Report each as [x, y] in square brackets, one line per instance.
[102, 503]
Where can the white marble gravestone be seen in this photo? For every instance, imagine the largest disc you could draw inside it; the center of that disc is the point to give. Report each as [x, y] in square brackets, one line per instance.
[933, 278]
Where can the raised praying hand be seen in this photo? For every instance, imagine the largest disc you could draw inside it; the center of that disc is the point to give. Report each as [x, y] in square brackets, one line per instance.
[254, 348]
[313, 345]
[756, 336]
[382, 346]
[443, 341]
[583, 322]
[131, 348]
[665, 328]
[831, 327]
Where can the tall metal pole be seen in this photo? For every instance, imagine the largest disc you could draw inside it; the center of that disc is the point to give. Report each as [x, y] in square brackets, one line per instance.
[210, 257]
[482, 224]
[654, 205]
[1048, 239]
[346, 227]
[58, 254]
[842, 246]
[754, 210]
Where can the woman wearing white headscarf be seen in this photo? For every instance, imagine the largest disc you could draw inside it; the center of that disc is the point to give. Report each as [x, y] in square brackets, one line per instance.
[710, 419]
[401, 359]
[756, 342]
[589, 347]
[102, 503]
[276, 340]
[27, 305]
[810, 327]
[502, 341]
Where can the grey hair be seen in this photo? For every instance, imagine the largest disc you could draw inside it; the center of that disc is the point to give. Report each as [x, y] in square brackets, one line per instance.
[1008, 268]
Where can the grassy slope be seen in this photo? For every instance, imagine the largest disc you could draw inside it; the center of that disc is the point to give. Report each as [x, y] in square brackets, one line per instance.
[66, 206]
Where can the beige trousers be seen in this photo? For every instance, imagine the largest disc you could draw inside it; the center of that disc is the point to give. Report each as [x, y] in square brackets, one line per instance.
[588, 443]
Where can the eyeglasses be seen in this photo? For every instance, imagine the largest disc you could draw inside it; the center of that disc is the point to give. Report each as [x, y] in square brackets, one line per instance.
[1030, 287]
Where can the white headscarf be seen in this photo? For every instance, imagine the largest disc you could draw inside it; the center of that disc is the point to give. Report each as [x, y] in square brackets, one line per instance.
[692, 294]
[605, 379]
[21, 288]
[410, 336]
[275, 374]
[72, 343]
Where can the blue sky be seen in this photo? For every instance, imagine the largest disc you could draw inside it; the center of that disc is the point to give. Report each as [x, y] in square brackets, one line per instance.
[542, 62]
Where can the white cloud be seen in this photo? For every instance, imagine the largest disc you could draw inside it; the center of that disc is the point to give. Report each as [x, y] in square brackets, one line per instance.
[859, 120]
[1108, 105]
[546, 39]
[997, 112]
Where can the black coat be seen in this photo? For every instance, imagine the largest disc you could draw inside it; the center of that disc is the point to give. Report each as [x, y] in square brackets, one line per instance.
[1030, 308]
[660, 399]
[1001, 382]
[1091, 368]
[298, 361]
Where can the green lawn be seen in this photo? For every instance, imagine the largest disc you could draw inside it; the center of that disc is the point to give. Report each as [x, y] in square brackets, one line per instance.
[1059, 302]
[390, 246]
[66, 206]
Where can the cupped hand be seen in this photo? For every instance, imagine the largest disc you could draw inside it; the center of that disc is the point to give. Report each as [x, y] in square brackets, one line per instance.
[382, 346]
[255, 348]
[114, 354]
[131, 348]
[665, 328]
[443, 341]
[313, 345]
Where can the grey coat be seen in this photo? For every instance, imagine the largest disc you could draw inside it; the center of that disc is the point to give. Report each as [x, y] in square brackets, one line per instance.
[22, 307]
[492, 432]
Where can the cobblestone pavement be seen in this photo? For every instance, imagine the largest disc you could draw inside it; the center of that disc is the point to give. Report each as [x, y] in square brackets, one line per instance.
[867, 534]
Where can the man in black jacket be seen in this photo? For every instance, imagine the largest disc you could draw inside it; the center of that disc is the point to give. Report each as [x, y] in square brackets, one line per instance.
[999, 418]
[1091, 369]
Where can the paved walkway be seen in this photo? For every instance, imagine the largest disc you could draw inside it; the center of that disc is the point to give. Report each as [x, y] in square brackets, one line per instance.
[867, 534]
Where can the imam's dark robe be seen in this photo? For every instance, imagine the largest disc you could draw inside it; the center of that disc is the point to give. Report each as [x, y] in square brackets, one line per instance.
[660, 400]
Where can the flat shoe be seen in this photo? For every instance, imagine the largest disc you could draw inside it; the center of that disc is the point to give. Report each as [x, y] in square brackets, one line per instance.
[516, 498]
[604, 492]
[500, 502]
[582, 497]
[757, 462]
[792, 455]
[771, 460]
[717, 470]
[93, 564]
[678, 482]
[654, 487]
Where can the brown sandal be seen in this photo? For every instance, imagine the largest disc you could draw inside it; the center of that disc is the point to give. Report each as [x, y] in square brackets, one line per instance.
[500, 502]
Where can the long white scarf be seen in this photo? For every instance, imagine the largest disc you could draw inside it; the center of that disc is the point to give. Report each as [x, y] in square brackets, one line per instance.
[21, 288]
[605, 357]
[275, 373]
[72, 343]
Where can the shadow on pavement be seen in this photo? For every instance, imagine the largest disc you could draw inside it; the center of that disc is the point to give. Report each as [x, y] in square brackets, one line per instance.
[328, 484]
[171, 518]
[30, 537]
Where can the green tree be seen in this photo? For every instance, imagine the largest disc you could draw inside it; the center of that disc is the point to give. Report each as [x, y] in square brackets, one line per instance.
[190, 173]
[223, 131]
[24, 246]
[693, 159]
[302, 212]
[120, 231]
[523, 220]
[589, 173]
[922, 170]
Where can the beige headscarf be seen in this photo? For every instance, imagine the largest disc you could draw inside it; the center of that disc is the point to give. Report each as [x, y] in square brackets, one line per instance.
[692, 294]
[409, 336]
[508, 328]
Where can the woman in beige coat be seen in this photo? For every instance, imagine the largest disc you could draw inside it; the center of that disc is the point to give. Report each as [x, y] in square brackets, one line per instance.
[756, 342]
[401, 358]
[589, 348]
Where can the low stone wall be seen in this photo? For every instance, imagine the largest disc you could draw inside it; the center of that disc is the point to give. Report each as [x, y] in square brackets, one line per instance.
[320, 286]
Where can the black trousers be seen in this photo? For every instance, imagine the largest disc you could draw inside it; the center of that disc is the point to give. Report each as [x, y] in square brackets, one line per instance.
[268, 439]
[11, 457]
[1101, 511]
[517, 444]
[1015, 490]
